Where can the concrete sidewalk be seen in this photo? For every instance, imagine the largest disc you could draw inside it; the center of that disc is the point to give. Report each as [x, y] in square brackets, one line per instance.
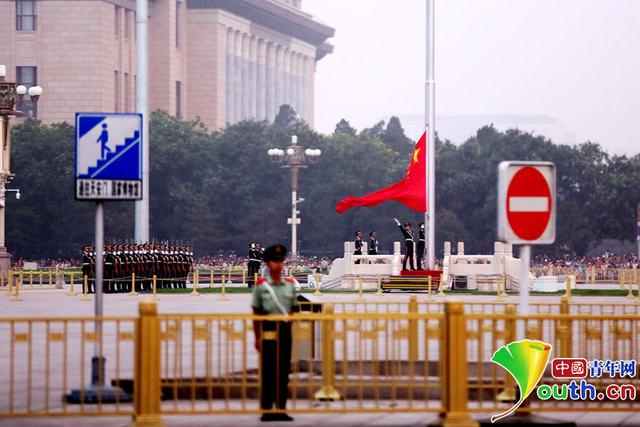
[582, 419]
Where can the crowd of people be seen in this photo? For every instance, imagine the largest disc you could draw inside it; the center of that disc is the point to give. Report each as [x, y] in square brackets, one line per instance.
[606, 260]
[225, 261]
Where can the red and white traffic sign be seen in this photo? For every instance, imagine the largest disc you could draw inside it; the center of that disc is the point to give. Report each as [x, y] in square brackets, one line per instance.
[526, 202]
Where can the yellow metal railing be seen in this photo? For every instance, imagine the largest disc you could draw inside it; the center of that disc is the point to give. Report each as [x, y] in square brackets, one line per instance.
[46, 359]
[590, 275]
[389, 361]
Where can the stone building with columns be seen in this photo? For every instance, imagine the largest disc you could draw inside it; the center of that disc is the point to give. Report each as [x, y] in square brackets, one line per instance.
[221, 60]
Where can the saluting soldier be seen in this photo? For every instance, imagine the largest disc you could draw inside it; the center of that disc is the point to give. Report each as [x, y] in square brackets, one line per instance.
[408, 243]
[274, 294]
[253, 265]
[420, 253]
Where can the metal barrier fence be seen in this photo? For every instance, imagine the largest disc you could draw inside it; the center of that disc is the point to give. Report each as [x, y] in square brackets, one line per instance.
[46, 359]
[490, 307]
[46, 279]
[341, 362]
[593, 337]
[591, 275]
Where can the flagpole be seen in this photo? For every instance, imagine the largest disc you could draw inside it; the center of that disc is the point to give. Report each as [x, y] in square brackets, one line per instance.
[430, 121]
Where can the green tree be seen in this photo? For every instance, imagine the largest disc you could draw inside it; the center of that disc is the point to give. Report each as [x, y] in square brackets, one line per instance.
[345, 127]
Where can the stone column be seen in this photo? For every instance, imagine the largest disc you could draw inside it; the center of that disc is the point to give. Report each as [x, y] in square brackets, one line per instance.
[279, 78]
[229, 74]
[262, 81]
[309, 72]
[286, 74]
[253, 78]
[300, 86]
[271, 82]
[237, 78]
[293, 76]
[245, 77]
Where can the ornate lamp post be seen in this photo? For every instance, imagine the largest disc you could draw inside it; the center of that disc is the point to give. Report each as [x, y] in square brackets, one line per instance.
[294, 158]
[10, 98]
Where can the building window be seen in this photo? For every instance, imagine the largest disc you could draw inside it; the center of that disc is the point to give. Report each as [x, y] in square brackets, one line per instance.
[116, 20]
[116, 84]
[27, 76]
[177, 24]
[26, 15]
[178, 99]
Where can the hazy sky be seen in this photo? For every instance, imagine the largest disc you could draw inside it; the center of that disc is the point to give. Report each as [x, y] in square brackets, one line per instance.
[577, 61]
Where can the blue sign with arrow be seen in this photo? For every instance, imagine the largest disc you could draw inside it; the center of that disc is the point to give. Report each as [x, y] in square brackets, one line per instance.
[108, 156]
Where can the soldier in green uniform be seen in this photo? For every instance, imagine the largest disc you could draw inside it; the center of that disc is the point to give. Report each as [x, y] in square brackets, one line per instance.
[274, 295]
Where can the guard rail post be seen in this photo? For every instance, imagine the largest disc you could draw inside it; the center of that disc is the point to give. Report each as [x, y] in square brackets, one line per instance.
[223, 294]
[16, 286]
[564, 329]
[10, 283]
[317, 293]
[441, 286]
[85, 296]
[133, 292]
[195, 292]
[455, 393]
[71, 291]
[413, 329]
[148, 389]
[360, 296]
[328, 390]
[509, 392]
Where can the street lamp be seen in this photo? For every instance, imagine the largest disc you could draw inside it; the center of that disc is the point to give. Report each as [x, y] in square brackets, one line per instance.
[294, 158]
[11, 97]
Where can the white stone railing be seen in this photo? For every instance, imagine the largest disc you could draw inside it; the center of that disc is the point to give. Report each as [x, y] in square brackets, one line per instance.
[385, 265]
[501, 263]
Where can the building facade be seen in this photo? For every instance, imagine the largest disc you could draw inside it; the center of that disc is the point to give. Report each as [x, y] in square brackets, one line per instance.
[220, 60]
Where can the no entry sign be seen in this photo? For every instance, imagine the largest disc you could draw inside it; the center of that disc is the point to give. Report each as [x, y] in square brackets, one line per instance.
[527, 202]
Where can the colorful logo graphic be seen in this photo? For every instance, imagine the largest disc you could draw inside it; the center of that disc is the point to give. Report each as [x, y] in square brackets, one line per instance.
[525, 360]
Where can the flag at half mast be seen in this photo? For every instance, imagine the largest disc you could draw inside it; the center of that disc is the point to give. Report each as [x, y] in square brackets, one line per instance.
[411, 191]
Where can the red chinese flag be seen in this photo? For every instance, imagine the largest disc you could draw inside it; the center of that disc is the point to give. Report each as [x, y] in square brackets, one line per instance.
[410, 191]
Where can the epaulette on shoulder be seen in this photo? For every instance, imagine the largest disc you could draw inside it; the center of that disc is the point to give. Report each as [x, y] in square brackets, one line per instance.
[290, 280]
[260, 282]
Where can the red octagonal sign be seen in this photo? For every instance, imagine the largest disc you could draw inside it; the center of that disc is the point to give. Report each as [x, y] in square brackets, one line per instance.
[526, 202]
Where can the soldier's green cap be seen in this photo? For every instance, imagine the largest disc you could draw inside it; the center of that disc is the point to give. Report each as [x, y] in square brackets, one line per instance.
[275, 253]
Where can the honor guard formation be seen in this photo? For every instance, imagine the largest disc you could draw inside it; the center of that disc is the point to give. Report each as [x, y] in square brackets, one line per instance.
[169, 263]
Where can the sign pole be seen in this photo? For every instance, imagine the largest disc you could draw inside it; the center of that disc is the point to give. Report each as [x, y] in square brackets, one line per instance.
[99, 248]
[523, 308]
[97, 362]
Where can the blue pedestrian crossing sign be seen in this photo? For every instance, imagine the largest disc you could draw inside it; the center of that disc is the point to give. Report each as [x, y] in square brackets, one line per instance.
[108, 156]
